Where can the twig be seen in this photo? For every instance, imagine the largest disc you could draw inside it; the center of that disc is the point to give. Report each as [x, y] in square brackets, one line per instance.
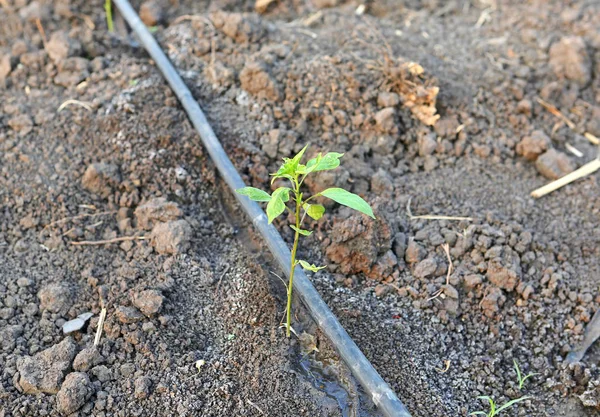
[552, 109]
[107, 241]
[40, 28]
[83, 104]
[573, 150]
[221, 278]
[80, 216]
[592, 138]
[100, 327]
[434, 217]
[583, 171]
[256, 406]
[447, 364]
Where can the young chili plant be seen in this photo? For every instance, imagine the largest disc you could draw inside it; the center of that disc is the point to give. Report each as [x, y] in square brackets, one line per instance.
[281, 199]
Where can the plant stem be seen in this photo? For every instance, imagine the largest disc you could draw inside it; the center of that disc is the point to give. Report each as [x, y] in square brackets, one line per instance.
[293, 265]
[109, 19]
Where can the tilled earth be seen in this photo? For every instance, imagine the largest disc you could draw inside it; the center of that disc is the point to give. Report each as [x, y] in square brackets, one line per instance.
[108, 200]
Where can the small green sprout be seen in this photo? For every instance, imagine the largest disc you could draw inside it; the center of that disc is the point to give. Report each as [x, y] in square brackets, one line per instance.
[109, 18]
[520, 376]
[494, 409]
[296, 173]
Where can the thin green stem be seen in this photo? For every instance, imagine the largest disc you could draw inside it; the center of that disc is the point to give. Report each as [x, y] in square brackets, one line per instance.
[109, 19]
[293, 263]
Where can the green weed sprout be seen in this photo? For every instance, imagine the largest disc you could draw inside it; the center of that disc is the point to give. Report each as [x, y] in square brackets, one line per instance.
[520, 376]
[109, 18]
[494, 409]
[296, 173]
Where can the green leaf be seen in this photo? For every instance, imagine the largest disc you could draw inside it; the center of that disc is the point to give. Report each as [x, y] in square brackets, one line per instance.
[346, 198]
[314, 211]
[331, 160]
[254, 193]
[309, 267]
[511, 403]
[276, 205]
[301, 231]
[290, 166]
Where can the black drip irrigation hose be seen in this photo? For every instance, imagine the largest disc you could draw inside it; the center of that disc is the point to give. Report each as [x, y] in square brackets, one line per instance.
[381, 394]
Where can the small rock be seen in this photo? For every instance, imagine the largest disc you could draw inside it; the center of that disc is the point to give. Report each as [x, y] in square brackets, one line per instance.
[554, 164]
[74, 393]
[102, 373]
[21, 124]
[55, 298]
[385, 99]
[425, 268]
[151, 13]
[471, 281]
[256, 79]
[149, 302]
[491, 303]
[45, 371]
[61, 46]
[29, 222]
[127, 369]
[533, 146]
[450, 291]
[385, 119]
[155, 211]
[33, 11]
[381, 183]
[77, 323]
[171, 237]
[9, 336]
[128, 315]
[414, 252]
[524, 107]
[381, 290]
[143, 386]
[569, 59]
[71, 71]
[101, 178]
[427, 144]
[87, 358]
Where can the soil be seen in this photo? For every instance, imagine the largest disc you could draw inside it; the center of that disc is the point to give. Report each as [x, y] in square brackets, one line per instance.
[109, 200]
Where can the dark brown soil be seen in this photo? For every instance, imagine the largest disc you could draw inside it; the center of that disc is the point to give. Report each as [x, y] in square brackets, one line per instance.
[435, 105]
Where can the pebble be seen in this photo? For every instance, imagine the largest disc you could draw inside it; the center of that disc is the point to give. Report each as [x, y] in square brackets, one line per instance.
[128, 315]
[77, 323]
[569, 59]
[55, 298]
[101, 178]
[74, 393]
[171, 237]
[425, 268]
[45, 371]
[143, 386]
[149, 302]
[554, 164]
[157, 210]
[87, 358]
[534, 145]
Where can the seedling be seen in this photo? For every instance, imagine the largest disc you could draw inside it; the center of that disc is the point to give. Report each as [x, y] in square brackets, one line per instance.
[494, 410]
[109, 18]
[296, 173]
[520, 376]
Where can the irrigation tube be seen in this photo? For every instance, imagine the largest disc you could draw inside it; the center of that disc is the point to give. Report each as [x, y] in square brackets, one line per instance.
[382, 395]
